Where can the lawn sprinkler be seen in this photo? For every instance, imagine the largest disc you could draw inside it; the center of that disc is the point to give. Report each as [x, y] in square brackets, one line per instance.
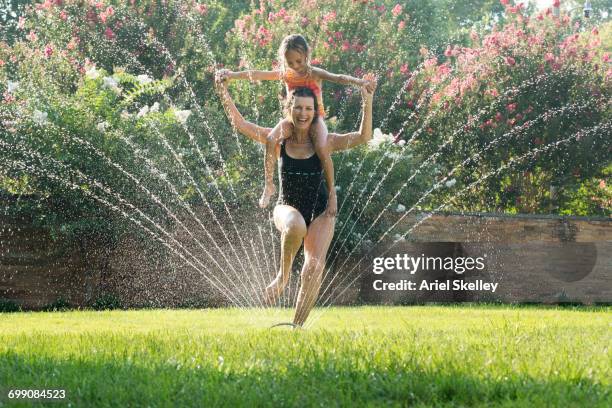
[293, 325]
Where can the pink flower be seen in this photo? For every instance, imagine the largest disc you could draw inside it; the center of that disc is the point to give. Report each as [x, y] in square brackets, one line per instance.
[404, 69]
[474, 35]
[1, 63]
[602, 184]
[346, 46]
[331, 16]
[109, 34]
[338, 35]
[498, 116]
[21, 23]
[315, 61]
[549, 57]
[556, 3]
[504, 2]
[48, 50]
[448, 52]
[540, 17]
[305, 21]
[510, 61]
[63, 15]
[202, 9]
[358, 72]
[431, 62]
[397, 10]
[401, 25]
[595, 31]
[32, 36]
[606, 57]
[410, 105]
[511, 107]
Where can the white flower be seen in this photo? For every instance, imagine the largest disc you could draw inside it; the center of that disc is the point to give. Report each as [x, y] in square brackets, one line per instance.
[143, 111]
[154, 107]
[338, 188]
[401, 142]
[12, 86]
[125, 115]
[450, 183]
[400, 208]
[111, 83]
[379, 138]
[102, 126]
[182, 115]
[92, 73]
[40, 118]
[144, 79]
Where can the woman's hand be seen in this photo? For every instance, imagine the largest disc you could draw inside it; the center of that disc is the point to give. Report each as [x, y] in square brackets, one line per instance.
[222, 75]
[370, 82]
[367, 91]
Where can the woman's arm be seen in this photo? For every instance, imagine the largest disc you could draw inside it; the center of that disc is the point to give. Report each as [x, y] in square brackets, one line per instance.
[251, 75]
[250, 130]
[349, 140]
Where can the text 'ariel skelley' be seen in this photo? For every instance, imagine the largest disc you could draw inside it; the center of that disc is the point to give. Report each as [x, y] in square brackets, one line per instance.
[410, 265]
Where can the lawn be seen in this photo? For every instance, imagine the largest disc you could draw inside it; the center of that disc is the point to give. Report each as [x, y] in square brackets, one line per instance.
[366, 356]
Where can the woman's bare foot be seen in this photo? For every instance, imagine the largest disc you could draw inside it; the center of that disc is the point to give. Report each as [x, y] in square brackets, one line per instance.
[269, 191]
[273, 291]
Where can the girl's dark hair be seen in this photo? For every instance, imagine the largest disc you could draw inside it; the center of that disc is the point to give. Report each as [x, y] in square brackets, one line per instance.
[293, 42]
[302, 92]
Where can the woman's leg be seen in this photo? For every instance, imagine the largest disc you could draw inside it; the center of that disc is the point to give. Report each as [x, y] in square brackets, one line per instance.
[292, 227]
[316, 245]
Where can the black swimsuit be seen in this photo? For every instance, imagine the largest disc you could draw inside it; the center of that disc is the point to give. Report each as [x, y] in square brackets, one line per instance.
[301, 185]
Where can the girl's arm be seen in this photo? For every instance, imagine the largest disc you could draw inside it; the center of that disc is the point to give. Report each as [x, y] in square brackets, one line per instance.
[251, 75]
[349, 140]
[250, 130]
[341, 79]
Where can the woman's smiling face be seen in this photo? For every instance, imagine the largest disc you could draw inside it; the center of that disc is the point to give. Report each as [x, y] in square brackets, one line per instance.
[302, 111]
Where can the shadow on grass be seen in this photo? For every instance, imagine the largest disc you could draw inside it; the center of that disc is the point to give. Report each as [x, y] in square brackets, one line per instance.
[321, 382]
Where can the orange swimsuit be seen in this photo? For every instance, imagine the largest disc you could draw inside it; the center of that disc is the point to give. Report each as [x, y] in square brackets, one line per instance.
[293, 80]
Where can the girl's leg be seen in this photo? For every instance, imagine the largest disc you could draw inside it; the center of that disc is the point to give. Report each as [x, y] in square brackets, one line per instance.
[316, 245]
[322, 149]
[281, 131]
[292, 227]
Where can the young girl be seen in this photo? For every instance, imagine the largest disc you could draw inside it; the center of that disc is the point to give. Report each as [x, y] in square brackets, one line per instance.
[297, 72]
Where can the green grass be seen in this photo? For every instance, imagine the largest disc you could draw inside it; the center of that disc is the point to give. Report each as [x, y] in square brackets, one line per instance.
[365, 356]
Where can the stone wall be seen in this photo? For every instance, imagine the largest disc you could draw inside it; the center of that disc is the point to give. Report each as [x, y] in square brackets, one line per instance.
[532, 258]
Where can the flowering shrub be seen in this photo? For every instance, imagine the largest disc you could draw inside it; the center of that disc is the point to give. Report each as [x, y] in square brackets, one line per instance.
[530, 83]
[88, 83]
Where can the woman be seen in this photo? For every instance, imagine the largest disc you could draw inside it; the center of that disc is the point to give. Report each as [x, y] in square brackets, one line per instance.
[300, 212]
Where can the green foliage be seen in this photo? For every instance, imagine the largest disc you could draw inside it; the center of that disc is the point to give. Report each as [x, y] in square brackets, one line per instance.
[114, 116]
[8, 306]
[106, 301]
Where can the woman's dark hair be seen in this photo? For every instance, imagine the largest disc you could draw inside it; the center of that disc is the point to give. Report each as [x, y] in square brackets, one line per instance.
[301, 92]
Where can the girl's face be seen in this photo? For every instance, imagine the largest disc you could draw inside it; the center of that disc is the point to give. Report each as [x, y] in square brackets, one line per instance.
[296, 61]
[302, 112]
